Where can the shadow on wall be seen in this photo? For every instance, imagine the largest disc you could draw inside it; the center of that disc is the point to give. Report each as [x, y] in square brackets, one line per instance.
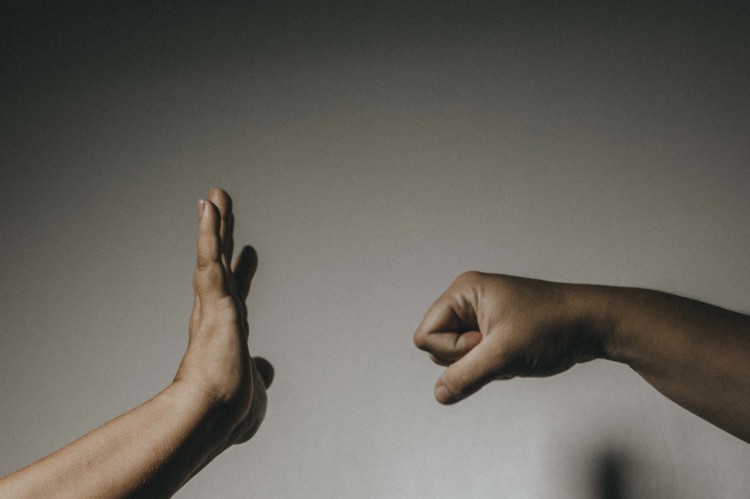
[610, 479]
[618, 473]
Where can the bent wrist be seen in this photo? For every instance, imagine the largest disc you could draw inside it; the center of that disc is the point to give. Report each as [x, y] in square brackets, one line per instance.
[189, 398]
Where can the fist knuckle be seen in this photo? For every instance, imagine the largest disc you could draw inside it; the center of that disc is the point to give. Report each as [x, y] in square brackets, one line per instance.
[420, 340]
[468, 277]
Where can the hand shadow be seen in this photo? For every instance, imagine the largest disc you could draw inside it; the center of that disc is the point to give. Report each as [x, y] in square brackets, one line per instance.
[627, 472]
[610, 480]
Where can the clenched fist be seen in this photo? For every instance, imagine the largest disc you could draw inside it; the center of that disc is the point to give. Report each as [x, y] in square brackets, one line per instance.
[487, 327]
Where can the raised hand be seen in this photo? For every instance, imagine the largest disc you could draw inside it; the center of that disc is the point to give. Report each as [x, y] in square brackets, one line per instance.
[218, 397]
[218, 362]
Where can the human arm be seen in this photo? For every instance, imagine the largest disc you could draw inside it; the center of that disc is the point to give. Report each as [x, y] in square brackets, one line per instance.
[486, 327]
[216, 399]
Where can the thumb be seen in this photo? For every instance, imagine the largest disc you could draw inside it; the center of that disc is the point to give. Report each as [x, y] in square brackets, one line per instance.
[470, 373]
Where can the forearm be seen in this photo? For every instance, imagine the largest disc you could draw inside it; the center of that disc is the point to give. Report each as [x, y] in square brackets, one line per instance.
[694, 353]
[151, 451]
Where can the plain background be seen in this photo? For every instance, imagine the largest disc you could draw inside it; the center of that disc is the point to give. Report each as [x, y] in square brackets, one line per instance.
[375, 150]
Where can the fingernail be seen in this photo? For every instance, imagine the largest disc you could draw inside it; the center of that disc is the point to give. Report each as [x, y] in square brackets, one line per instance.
[201, 208]
[444, 396]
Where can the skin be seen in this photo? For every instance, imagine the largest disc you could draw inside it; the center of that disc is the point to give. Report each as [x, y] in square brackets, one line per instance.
[487, 327]
[484, 327]
[217, 398]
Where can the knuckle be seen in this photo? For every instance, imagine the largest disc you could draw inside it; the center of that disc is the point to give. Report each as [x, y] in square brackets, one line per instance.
[201, 263]
[215, 324]
[420, 340]
[204, 261]
[200, 280]
[469, 277]
[226, 304]
[209, 274]
[222, 312]
[440, 361]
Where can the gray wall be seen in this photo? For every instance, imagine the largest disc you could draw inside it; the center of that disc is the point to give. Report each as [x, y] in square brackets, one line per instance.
[374, 151]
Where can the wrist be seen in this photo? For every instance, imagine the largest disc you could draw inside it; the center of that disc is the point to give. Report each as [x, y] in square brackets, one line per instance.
[596, 318]
[190, 398]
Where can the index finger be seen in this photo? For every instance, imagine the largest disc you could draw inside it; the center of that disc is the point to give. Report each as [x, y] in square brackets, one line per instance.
[210, 280]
